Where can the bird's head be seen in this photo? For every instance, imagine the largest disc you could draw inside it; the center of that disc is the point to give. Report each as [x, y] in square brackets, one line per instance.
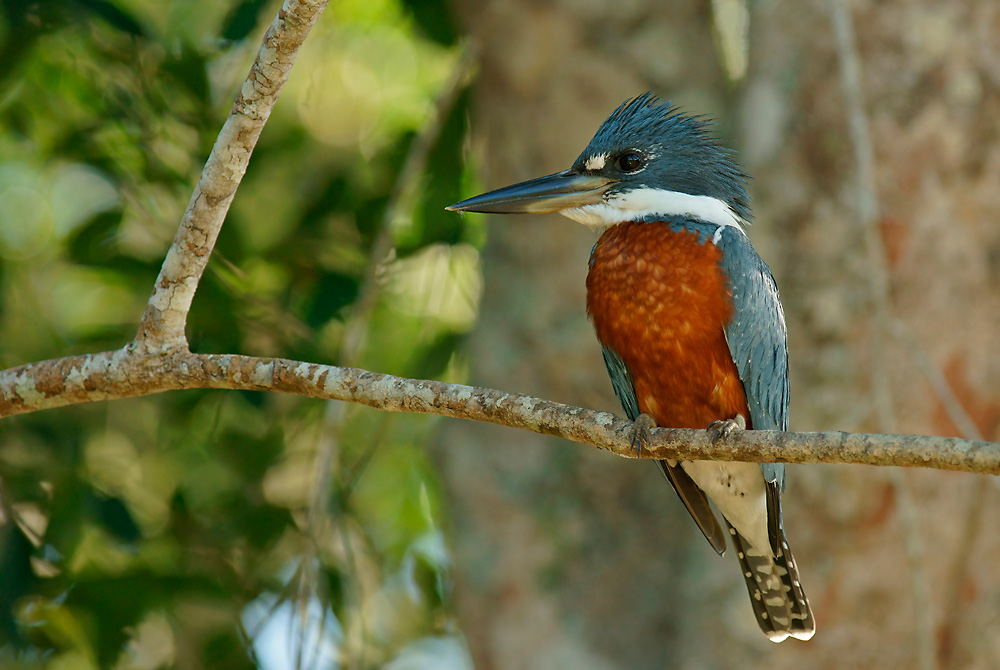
[647, 159]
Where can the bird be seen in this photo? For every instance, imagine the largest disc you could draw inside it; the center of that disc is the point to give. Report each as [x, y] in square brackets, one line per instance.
[689, 320]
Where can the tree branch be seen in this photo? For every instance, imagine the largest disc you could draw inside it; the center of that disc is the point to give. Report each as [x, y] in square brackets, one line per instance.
[162, 325]
[158, 359]
[121, 374]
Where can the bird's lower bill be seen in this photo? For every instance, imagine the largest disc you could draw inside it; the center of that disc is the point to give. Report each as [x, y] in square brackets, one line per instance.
[552, 193]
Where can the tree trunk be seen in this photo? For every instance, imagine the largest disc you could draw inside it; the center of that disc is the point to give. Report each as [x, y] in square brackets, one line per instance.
[570, 558]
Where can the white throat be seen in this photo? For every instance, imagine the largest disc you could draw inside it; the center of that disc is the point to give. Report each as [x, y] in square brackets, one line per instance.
[643, 202]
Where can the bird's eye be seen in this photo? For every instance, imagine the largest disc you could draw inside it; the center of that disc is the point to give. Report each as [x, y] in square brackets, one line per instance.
[630, 162]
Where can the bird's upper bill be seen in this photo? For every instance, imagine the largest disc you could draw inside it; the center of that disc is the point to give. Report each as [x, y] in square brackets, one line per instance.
[552, 193]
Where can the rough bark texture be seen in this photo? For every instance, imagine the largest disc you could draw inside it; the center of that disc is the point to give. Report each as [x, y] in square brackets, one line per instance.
[112, 375]
[570, 559]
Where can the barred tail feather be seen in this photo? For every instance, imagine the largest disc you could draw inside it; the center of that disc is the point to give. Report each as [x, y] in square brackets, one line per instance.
[776, 594]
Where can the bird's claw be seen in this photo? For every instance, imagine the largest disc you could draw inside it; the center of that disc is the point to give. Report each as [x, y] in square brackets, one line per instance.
[723, 428]
[640, 432]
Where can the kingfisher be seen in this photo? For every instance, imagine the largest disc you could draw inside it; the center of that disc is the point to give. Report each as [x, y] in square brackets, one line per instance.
[689, 321]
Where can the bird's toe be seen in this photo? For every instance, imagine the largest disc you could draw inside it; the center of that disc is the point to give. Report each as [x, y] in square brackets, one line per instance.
[723, 428]
[640, 432]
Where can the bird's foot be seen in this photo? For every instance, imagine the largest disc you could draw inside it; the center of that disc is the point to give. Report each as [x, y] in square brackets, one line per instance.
[723, 428]
[640, 432]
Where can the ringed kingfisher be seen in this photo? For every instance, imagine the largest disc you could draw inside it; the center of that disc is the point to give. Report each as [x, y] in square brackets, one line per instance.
[689, 320]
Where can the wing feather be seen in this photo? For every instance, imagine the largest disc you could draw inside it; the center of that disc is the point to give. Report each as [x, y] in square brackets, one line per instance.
[758, 340]
[694, 498]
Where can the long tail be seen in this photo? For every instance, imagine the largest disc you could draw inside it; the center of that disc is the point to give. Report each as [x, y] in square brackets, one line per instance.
[779, 603]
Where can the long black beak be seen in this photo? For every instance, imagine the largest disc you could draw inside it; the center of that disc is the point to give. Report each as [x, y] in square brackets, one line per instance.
[552, 193]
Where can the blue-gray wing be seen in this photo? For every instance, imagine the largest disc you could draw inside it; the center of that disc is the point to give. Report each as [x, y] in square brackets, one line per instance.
[757, 336]
[758, 341]
[691, 495]
[621, 380]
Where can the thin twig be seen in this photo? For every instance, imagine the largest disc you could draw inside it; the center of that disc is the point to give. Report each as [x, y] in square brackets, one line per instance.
[356, 331]
[953, 614]
[162, 324]
[356, 328]
[866, 201]
[400, 200]
[925, 639]
[878, 285]
[162, 327]
[967, 428]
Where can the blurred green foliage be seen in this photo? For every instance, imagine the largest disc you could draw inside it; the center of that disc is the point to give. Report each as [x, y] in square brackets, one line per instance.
[223, 529]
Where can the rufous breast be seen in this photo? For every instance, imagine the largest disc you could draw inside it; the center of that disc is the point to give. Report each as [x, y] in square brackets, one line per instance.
[659, 298]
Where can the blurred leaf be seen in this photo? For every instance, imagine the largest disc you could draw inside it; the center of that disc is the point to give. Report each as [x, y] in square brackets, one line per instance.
[225, 650]
[16, 579]
[731, 23]
[158, 506]
[115, 16]
[95, 241]
[331, 197]
[434, 358]
[434, 19]
[333, 584]
[210, 322]
[243, 18]
[441, 186]
[115, 517]
[67, 513]
[332, 293]
[188, 70]
[113, 604]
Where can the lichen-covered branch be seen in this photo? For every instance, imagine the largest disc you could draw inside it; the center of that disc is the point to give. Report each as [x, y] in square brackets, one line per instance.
[158, 359]
[162, 325]
[121, 374]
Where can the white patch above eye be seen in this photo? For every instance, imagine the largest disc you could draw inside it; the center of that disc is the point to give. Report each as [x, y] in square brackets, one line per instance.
[642, 202]
[596, 162]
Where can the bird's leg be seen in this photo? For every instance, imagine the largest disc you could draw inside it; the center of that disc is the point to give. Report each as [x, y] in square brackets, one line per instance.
[723, 428]
[640, 432]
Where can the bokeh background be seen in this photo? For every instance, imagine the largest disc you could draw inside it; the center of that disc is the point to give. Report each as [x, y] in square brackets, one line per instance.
[239, 530]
